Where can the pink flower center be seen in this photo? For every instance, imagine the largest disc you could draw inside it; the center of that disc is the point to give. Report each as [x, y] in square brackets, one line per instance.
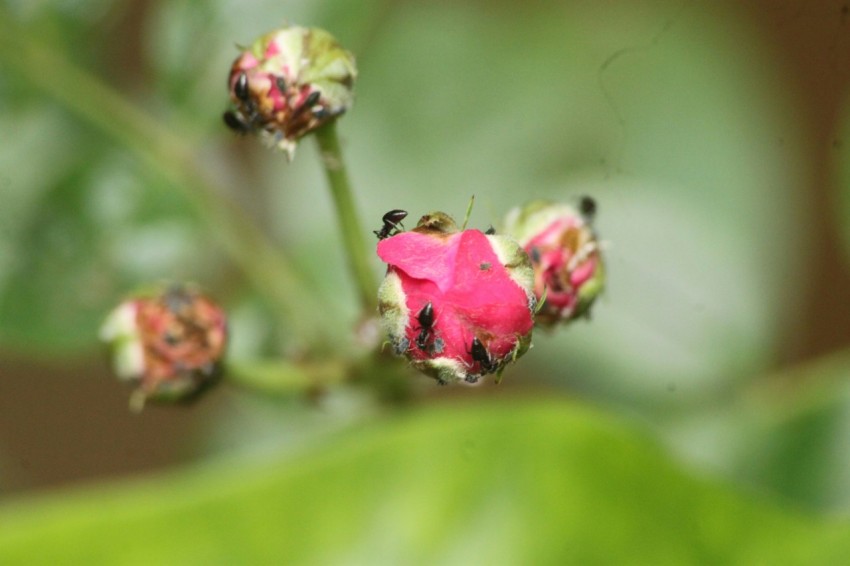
[559, 269]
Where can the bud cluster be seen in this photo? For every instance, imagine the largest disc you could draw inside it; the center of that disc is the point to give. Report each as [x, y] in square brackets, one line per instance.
[462, 304]
[458, 304]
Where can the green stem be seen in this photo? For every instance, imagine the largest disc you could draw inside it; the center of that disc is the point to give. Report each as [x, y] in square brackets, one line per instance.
[352, 231]
[160, 150]
[280, 377]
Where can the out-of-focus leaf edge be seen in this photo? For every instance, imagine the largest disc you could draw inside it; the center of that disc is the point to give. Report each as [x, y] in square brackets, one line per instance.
[525, 482]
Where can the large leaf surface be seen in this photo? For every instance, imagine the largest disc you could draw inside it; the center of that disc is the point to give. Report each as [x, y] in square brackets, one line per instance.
[489, 484]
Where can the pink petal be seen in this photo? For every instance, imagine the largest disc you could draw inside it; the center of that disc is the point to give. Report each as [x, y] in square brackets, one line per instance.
[583, 272]
[422, 256]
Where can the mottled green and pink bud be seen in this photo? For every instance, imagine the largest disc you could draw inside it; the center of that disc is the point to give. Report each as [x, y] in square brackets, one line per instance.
[288, 83]
[568, 270]
[169, 343]
[457, 304]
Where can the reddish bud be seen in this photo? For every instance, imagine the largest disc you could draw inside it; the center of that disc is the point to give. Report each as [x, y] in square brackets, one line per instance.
[565, 253]
[169, 343]
[457, 304]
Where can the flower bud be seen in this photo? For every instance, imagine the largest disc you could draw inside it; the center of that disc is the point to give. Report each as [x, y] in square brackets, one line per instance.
[565, 254]
[170, 343]
[457, 304]
[288, 83]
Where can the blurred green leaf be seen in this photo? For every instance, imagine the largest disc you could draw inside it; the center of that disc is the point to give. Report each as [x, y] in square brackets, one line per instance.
[531, 483]
[786, 433]
[799, 432]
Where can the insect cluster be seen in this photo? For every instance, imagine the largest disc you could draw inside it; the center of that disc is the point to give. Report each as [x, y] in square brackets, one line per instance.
[288, 83]
[454, 302]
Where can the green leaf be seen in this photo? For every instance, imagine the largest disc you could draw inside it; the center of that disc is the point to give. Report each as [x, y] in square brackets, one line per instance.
[531, 483]
[797, 425]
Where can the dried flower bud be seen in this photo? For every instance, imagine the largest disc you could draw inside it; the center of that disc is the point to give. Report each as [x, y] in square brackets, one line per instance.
[457, 304]
[288, 83]
[170, 343]
[565, 254]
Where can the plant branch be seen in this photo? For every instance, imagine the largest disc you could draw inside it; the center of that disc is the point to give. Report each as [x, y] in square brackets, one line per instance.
[352, 231]
[280, 377]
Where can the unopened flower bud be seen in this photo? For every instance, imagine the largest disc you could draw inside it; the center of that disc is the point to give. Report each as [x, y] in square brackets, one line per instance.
[564, 251]
[457, 304]
[169, 343]
[288, 83]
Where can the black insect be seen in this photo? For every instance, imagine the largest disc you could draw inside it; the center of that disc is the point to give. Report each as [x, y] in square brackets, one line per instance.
[392, 221]
[240, 88]
[281, 84]
[490, 231]
[321, 112]
[587, 207]
[426, 327]
[246, 118]
[313, 98]
[480, 354]
[236, 122]
[308, 104]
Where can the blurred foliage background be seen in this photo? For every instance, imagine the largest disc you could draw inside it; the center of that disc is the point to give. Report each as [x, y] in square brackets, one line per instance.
[703, 414]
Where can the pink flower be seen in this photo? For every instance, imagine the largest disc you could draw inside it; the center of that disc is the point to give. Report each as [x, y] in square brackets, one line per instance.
[565, 254]
[457, 304]
[170, 343]
[288, 83]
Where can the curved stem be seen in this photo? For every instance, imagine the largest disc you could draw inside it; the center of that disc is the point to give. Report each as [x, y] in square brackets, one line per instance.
[158, 148]
[352, 231]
